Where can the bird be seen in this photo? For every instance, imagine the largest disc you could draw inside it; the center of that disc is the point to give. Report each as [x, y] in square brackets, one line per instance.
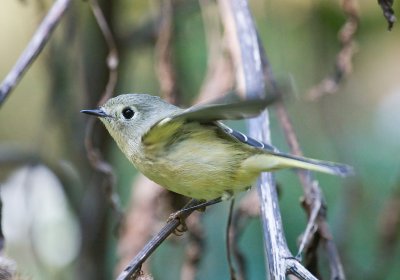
[190, 151]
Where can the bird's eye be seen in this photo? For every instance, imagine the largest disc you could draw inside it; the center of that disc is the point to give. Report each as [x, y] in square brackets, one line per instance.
[128, 113]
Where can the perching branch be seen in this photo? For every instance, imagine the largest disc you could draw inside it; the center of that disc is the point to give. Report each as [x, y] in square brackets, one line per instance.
[134, 236]
[35, 46]
[133, 268]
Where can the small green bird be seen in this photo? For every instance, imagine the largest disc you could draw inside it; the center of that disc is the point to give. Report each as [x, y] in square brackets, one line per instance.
[188, 151]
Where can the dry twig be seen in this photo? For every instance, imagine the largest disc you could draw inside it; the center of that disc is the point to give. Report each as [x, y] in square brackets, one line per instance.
[313, 203]
[35, 46]
[165, 70]
[94, 155]
[139, 222]
[343, 63]
[134, 266]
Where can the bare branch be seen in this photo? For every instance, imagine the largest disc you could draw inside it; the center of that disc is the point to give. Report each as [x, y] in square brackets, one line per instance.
[134, 266]
[279, 258]
[312, 223]
[35, 46]
[112, 58]
[343, 63]
[248, 208]
[164, 67]
[139, 222]
[229, 243]
[312, 202]
[245, 51]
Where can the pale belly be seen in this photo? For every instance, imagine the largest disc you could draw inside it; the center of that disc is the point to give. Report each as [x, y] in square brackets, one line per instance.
[198, 180]
[202, 174]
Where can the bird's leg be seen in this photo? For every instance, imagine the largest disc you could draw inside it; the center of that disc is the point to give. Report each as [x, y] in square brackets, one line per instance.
[202, 205]
[182, 214]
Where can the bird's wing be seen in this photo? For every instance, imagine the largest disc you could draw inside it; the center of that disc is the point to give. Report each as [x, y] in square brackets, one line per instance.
[246, 139]
[334, 168]
[226, 111]
[162, 132]
[220, 109]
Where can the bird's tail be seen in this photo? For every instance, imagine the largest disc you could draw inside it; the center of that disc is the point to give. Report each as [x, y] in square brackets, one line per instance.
[277, 160]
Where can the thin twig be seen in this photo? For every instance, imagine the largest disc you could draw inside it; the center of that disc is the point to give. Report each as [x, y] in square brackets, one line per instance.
[165, 70]
[112, 57]
[93, 154]
[249, 208]
[312, 196]
[140, 220]
[313, 202]
[229, 241]
[343, 63]
[34, 48]
[312, 222]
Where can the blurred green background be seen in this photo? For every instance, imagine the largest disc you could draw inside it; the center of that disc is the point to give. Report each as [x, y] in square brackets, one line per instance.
[57, 220]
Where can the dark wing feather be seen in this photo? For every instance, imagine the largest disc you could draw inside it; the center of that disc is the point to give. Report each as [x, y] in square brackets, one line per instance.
[247, 140]
[226, 111]
[336, 168]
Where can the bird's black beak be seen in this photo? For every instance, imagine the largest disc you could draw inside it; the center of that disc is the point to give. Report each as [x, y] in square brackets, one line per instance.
[99, 112]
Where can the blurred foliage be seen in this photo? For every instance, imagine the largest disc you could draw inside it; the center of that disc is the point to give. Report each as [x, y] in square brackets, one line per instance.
[359, 125]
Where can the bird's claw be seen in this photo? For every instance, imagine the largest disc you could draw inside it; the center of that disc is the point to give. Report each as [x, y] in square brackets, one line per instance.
[178, 215]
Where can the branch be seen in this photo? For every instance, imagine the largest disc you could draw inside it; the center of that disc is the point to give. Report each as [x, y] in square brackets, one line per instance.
[343, 63]
[140, 220]
[313, 201]
[245, 50]
[164, 61]
[133, 268]
[139, 210]
[35, 46]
